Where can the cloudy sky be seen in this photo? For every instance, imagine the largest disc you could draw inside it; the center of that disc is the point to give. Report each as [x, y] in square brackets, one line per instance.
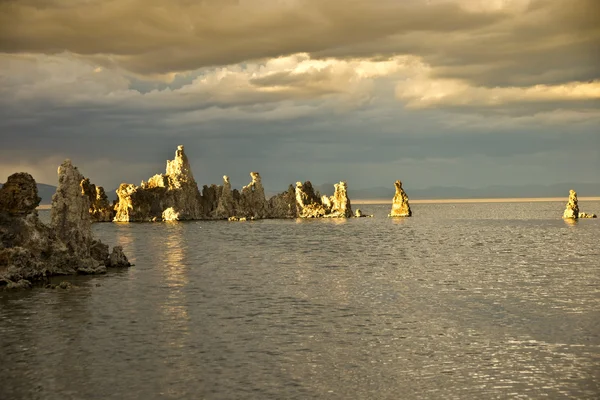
[434, 92]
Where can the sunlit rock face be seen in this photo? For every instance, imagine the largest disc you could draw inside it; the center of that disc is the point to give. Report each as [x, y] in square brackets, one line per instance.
[310, 205]
[572, 209]
[30, 249]
[400, 206]
[340, 203]
[100, 208]
[586, 215]
[170, 196]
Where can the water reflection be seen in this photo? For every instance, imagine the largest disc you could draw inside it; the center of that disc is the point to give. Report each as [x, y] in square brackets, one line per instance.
[571, 221]
[399, 220]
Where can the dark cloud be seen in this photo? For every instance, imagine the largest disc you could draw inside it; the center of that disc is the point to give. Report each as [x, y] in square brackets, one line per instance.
[547, 42]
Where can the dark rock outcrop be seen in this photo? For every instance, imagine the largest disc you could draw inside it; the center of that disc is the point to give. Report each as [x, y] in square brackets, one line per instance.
[283, 205]
[31, 250]
[252, 202]
[18, 196]
[400, 206]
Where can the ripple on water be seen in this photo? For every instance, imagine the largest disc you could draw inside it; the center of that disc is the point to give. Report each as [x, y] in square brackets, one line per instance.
[460, 301]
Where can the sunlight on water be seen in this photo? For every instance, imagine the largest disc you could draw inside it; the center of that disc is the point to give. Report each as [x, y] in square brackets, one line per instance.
[458, 302]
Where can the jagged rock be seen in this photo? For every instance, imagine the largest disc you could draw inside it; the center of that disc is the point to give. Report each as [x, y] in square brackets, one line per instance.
[70, 212]
[175, 190]
[226, 205]
[100, 208]
[210, 200]
[340, 203]
[19, 195]
[309, 205]
[252, 199]
[99, 251]
[283, 205]
[586, 215]
[400, 206]
[572, 209]
[32, 250]
[118, 259]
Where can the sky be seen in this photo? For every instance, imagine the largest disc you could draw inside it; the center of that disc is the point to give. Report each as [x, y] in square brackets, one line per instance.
[467, 93]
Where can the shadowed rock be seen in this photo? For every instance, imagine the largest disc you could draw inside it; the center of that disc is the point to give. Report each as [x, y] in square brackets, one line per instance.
[283, 205]
[225, 204]
[400, 206]
[31, 250]
[252, 202]
[19, 195]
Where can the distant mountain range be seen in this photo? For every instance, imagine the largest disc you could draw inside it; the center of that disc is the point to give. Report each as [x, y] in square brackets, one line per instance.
[432, 193]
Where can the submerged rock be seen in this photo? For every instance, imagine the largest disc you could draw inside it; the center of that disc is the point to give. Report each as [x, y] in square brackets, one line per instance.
[572, 209]
[400, 206]
[170, 196]
[19, 285]
[360, 214]
[32, 250]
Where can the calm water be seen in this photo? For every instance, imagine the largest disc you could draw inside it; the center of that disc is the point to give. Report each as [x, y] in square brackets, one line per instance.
[462, 301]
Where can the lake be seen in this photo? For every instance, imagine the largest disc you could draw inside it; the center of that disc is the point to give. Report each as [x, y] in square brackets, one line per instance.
[461, 301]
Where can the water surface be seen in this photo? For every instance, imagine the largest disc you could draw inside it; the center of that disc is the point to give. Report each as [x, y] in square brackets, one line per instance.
[462, 301]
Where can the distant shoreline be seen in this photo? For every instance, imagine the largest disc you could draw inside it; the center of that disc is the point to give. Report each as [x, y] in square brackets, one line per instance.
[496, 200]
[446, 201]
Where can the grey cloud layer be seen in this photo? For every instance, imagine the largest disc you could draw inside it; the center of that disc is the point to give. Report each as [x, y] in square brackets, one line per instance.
[545, 42]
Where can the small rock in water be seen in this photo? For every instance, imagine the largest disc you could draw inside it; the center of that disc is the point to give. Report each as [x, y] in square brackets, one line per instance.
[65, 285]
[586, 215]
[19, 285]
[118, 259]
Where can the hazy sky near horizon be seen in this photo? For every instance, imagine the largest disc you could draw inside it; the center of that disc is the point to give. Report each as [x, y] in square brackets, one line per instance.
[434, 92]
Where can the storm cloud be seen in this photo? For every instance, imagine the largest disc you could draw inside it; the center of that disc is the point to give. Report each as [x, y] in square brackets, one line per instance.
[456, 92]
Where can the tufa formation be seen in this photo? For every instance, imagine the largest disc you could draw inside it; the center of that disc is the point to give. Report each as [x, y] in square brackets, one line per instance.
[400, 206]
[31, 250]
